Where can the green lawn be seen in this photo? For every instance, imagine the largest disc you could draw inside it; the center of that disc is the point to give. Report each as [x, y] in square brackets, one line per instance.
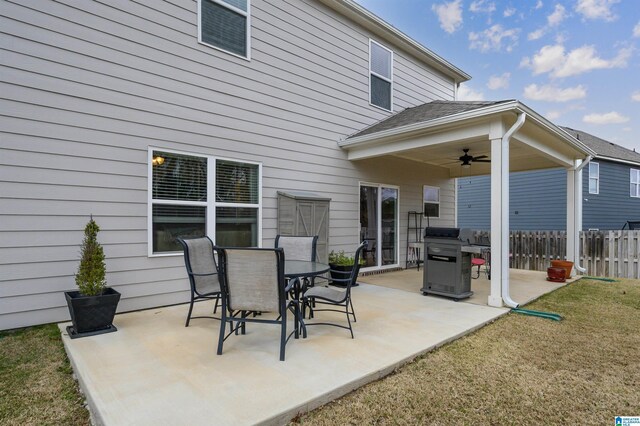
[519, 370]
[36, 382]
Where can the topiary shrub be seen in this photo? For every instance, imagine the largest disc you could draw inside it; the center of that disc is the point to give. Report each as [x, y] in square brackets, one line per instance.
[90, 278]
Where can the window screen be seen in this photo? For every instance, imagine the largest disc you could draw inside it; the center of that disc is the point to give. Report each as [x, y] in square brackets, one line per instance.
[380, 76]
[236, 182]
[224, 27]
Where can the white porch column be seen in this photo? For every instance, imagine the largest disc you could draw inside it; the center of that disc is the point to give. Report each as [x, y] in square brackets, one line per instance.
[571, 214]
[497, 182]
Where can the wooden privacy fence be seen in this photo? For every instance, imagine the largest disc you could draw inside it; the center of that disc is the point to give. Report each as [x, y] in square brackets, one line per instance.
[602, 253]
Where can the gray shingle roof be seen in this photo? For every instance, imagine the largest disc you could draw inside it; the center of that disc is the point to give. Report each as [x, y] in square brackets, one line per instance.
[602, 147]
[423, 113]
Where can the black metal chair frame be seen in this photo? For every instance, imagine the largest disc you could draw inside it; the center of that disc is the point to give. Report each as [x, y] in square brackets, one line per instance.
[195, 295]
[345, 302]
[241, 317]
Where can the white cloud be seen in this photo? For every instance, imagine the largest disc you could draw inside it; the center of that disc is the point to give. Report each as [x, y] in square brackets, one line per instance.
[539, 4]
[484, 6]
[499, 81]
[636, 30]
[636, 96]
[449, 15]
[627, 129]
[510, 11]
[559, 63]
[492, 39]
[596, 9]
[466, 93]
[558, 15]
[612, 117]
[534, 35]
[553, 115]
[552, 93]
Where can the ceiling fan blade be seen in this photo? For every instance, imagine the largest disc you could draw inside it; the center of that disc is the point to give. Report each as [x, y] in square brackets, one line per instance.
[480, 157]
[481, 161]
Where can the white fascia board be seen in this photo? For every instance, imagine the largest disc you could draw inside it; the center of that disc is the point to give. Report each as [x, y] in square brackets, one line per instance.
[425, 125]
[616, 160]
[362, 16]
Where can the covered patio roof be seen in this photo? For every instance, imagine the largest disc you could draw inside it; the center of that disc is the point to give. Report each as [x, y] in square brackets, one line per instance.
[435, 133]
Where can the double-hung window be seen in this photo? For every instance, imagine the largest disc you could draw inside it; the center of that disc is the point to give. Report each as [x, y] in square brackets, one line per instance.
[635, 183]
[380, 76]
[431, 201]
[594, 178]
[192, 196]
[225, 25]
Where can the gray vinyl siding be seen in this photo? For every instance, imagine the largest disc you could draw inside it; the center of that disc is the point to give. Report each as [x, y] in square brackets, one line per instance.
[537, 201]
[540, 200]
[613, 206]
[88, 87]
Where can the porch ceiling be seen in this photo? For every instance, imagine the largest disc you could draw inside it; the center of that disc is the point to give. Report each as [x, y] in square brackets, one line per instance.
[539, 144]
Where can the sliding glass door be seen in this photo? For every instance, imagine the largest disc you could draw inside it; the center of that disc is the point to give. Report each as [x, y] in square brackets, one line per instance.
[379, 225]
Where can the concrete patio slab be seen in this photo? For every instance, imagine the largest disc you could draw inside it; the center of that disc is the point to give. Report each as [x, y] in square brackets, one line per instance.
[525, 286]
[154, 371]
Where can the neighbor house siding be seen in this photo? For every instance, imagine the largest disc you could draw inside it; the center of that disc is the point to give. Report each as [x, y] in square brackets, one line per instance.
[537, 201]
[88, 87]
[612, 206]
[540, 200]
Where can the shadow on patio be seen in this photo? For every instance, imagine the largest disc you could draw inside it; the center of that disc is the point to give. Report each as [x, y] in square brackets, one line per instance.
[156, 371]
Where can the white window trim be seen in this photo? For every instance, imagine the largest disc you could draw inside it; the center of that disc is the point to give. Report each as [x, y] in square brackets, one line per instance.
[371, 72]
[597, 179]
[432, 202]
[379, 235]
[247, 14]
[637, 182]
[210, 204]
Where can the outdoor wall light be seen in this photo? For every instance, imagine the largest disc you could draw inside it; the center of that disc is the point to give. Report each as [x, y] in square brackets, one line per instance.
[157, 161]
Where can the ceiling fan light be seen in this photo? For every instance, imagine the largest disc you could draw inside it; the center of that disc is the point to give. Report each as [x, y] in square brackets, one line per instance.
[466, 165]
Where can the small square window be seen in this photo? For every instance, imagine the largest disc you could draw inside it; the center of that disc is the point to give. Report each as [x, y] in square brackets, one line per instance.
[224, 24]
[431, 201]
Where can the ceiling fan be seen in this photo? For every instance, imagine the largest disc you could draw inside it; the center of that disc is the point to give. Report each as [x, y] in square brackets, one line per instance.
[466, 159]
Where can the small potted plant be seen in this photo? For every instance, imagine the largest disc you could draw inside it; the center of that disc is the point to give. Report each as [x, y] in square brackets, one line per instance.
[93, 306]
[341, 267]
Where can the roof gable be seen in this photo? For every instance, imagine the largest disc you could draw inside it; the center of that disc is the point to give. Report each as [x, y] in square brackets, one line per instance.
[604, 148]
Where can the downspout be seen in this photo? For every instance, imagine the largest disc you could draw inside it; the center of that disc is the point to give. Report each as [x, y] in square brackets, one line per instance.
[578, 211]
[505, 207]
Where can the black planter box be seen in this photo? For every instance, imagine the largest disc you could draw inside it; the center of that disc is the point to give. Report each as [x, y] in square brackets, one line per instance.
[92, 315]
[339, 273]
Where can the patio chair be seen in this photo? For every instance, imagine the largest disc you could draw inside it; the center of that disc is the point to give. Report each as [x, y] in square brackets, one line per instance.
[299, 248]
[203, 272]
[334, 296]
[253, 281]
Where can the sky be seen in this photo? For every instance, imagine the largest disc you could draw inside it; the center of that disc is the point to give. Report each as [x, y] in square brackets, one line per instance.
[576, 62]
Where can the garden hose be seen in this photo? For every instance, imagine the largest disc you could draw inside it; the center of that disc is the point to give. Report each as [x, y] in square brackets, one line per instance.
[547, 315]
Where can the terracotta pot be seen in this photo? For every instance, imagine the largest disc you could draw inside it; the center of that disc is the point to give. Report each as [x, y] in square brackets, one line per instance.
[557, 275]
[567, 265]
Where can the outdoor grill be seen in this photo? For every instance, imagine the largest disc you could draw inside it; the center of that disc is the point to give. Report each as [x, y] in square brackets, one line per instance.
[447, 260]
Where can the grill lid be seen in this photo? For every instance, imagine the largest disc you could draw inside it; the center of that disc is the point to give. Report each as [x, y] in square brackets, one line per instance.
[435, 232]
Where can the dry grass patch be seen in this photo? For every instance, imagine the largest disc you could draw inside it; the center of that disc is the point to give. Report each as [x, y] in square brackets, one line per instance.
[36, 382]
[519, 370]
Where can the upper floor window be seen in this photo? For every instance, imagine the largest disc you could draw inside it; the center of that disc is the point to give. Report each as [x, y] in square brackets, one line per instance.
[594, 178]
[635, 183]
[224, 24]
[380, 76]
[193, 196]
[431, 201]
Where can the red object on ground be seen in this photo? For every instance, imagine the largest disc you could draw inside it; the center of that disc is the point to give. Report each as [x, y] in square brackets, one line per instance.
[567, 265]
[557, 275]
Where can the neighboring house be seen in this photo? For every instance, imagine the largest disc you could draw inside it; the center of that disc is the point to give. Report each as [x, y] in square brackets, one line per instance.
[610, 193]
[180, 117]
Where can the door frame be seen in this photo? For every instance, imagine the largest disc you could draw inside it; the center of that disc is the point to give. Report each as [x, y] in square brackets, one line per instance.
[379, 267]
